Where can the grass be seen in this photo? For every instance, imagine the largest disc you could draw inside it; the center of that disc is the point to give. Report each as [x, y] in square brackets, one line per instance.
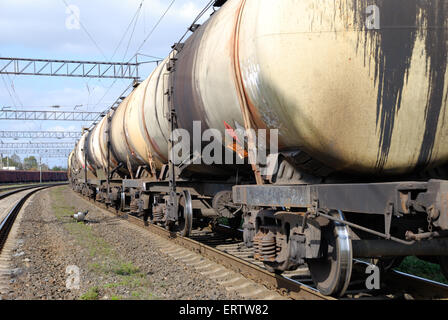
[106, 261]
[92, 294]
[126, 269]
[420, 268]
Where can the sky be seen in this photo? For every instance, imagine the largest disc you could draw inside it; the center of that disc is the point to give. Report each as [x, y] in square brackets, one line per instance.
[107, 30]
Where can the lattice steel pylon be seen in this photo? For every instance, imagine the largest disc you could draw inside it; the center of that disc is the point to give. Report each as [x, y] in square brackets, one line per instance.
[40, 134]
[37, 145]
[69, 68]
[49, 115]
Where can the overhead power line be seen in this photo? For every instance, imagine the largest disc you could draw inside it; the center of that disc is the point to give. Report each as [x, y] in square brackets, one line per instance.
[154, 27]
[126, 32]
[85, 29]
[133, 30]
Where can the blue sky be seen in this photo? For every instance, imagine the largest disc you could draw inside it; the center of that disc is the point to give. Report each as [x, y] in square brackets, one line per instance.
[37, 29]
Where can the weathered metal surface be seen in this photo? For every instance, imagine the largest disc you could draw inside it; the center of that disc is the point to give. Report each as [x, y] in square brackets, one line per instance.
[153, 119]
[93, 149]
[119, 137]
[287, 196]
[207, 189]
[70, 166]
[79, 151]
[359, 100]
[369, 101]
[369, 198]
[79, 165]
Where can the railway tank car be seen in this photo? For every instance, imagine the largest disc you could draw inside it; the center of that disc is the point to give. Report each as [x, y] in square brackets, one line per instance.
[22, 176]
[358, 93]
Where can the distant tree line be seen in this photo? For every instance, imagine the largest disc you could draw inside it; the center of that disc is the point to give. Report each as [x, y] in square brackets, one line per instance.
[29, 163]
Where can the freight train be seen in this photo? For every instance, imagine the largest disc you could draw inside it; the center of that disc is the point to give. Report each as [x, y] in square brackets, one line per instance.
[351, 99]
[20, 176]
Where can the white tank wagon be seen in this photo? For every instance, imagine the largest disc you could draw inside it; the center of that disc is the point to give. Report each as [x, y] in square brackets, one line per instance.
[358, 93]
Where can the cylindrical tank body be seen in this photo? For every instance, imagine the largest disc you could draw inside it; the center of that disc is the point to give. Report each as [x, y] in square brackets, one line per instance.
[119, 136]
[359, 86]
[148, 112]
[140, 127]
[79, 151]
[102, 144]
[79, 159]
[70, 164]
[358, 100]
[94, 155]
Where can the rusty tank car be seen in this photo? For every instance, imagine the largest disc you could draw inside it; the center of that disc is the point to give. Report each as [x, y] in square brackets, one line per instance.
[358, 93]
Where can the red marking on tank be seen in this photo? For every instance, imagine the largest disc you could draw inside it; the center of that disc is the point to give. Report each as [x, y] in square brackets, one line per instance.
[231, 132]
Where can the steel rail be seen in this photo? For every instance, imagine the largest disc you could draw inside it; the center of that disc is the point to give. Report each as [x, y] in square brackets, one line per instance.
[418, 285]
[14, 191]
[23, 187]
[8, 221]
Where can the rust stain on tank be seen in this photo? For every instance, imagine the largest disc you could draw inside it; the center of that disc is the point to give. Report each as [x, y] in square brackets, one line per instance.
[247, 105]
[153, 146]
[392, 47]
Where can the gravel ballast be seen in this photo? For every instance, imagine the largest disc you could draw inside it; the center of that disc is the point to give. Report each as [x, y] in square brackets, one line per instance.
[114, 260]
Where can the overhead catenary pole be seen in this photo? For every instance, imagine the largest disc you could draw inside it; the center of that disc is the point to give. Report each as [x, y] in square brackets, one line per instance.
[49, 115]
[36, 145]
[40, 134]
[69, 68]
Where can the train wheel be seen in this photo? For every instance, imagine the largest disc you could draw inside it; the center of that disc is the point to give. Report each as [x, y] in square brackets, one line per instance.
[185, 211]
[122, 201]
[443, 261]
[224, 206]
[332, 273]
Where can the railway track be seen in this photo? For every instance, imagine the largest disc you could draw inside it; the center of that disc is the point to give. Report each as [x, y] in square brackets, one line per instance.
[225, 247]
[7, 219]
[17, 187]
